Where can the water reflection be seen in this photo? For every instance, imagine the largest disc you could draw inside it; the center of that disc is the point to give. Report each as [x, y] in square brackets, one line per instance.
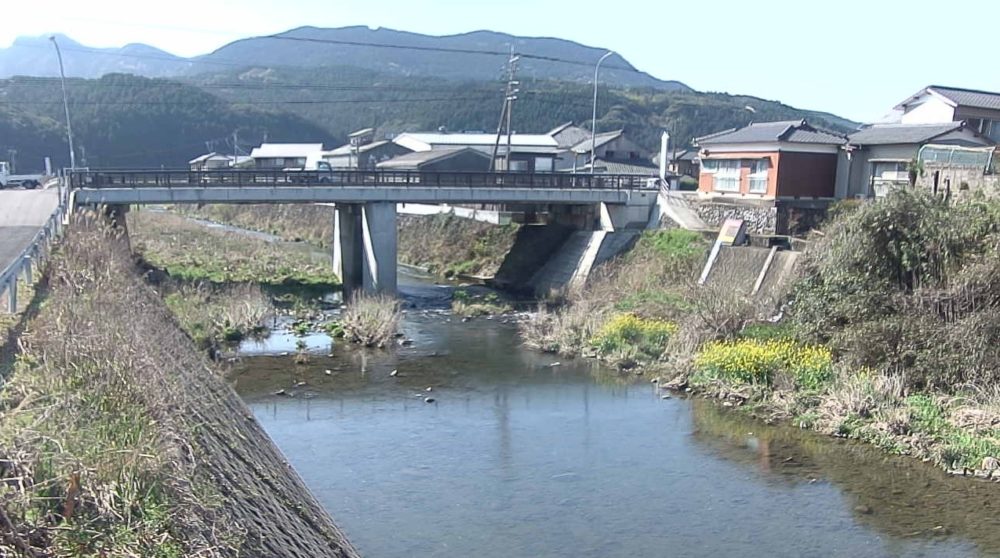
[517, 457]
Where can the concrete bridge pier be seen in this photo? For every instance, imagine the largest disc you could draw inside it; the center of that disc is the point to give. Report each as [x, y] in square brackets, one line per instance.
[365, 245]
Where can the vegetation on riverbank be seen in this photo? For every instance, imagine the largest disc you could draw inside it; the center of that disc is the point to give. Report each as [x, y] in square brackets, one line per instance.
[215, 315]
[629, 307]
[191, 252]
[447, 245]
[889, 333]
[118, 439]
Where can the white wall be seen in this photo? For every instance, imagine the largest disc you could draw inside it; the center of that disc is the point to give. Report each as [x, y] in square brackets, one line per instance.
[931, 110]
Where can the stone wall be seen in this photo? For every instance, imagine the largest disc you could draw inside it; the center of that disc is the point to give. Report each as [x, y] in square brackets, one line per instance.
[958, 181]
[759, 219]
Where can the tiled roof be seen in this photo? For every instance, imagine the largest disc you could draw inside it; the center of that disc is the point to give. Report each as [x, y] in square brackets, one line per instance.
[478, 139]
[962, 97]
[791, 131]
[601, 139]
[888, 134]
[417, 158]
[615, 166]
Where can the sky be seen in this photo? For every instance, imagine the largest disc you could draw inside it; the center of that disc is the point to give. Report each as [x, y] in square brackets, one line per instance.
[854, 58]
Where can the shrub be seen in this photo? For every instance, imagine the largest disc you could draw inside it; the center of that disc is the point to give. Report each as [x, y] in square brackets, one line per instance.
[371, 320]
[625, 332]
[749, 361]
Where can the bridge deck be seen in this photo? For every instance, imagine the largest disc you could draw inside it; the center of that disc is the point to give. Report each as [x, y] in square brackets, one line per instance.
[262, 186]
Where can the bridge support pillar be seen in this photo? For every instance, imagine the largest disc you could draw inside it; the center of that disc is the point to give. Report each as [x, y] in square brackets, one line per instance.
[379, 236]
[347, 248]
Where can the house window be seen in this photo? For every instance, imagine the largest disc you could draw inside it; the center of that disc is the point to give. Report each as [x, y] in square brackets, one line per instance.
[727, 175]
[887, 175]
[543, 164]
[758, 175]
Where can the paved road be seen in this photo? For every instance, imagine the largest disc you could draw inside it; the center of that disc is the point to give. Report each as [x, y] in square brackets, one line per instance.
[22, 214]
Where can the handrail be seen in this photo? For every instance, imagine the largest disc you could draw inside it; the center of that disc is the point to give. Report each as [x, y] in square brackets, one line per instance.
[23, 262]
[168, 178]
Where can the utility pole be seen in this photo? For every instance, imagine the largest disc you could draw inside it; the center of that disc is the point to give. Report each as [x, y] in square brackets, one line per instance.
[236, 151]
[593, 121]
[506, 113]
[69, 126]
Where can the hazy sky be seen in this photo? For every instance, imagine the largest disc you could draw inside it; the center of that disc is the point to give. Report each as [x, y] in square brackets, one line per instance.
[855, 58]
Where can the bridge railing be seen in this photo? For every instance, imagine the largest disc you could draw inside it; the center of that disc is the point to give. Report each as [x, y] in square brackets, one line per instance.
[140, 178]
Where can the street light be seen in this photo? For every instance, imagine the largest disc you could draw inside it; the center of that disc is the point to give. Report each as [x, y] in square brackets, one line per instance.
[69, 127]
[593, 121]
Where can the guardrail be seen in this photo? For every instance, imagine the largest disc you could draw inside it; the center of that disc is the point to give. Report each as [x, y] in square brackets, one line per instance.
[139, 178]
[24, 264]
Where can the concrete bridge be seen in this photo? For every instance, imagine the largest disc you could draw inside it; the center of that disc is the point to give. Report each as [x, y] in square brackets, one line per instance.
[365, 218]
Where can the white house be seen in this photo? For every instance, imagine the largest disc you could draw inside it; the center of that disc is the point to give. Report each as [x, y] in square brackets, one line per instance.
[937, 104]
[287, 155]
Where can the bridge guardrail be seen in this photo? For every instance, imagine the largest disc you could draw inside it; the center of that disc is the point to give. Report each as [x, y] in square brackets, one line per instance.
[34, 252]
[138, 178]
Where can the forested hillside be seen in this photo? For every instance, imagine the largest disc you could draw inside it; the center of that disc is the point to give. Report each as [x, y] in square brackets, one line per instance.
[127, 121]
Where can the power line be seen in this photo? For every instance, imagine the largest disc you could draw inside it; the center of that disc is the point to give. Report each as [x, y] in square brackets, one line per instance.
[237, 102]
[530, 56]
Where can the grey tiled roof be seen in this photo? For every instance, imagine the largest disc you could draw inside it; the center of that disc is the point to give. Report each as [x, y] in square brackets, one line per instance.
[888, 134]
[969, 97]
[616, 166]
[791, 131]
[417, 158]
[601, 139]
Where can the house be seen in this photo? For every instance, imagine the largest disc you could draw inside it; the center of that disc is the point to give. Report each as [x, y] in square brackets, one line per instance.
[567, 136]
[609, 146]
[529, 152]
[683, 163]
[768, 161]
[877, 158]
[286, 155]
[451, 159]
[363, 152]
[216, 161]
[937, 104]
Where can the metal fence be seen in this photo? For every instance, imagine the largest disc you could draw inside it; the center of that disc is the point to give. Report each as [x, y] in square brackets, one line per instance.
[956, 156]
[140, 178]
[30, 258]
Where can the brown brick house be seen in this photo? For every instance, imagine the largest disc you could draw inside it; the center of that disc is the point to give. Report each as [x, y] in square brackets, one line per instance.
[769, 161]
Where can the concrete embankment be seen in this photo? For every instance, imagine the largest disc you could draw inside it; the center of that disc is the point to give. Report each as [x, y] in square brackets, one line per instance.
[137, 445]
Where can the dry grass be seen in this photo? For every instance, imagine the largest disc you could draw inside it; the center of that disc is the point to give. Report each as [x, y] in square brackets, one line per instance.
[214, 315]
[371, 320]
[118, 439]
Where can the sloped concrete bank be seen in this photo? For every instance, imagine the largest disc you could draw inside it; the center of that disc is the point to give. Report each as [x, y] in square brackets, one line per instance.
[119, 438]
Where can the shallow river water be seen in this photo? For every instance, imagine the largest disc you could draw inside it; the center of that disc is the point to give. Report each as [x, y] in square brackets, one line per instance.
[519, 457]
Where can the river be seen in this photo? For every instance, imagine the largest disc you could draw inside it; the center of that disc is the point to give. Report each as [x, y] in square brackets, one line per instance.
[514, 454]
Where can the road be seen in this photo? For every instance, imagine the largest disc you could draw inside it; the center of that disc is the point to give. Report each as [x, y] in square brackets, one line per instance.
[22, 214]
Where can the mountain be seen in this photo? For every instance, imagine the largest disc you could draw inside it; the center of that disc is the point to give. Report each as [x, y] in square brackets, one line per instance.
[414, 54]
[129, 121]
[382, 50]
[36, 56]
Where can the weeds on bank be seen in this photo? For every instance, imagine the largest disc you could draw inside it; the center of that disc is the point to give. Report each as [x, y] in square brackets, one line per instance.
[91, 460]
[468, 305]
[215, 315]
[193, 253]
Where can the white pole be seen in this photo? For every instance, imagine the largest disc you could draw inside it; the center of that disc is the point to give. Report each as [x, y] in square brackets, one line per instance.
[664, 143]
[69, 127]
[593, 121]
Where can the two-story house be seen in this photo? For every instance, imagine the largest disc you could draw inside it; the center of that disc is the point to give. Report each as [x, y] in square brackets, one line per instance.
[937, 104]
